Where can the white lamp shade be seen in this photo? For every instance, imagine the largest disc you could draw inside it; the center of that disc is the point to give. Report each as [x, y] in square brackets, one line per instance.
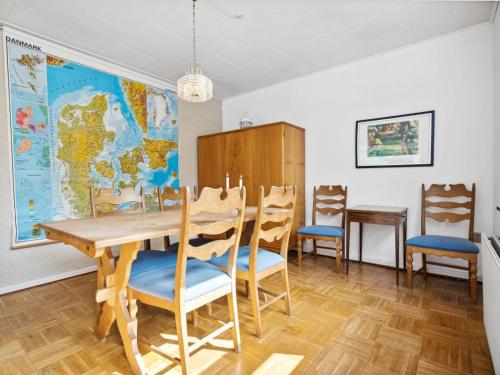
[194, 86]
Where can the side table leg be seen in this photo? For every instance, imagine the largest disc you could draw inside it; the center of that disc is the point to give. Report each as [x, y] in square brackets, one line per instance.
[404, 242]
[360, 243]
[397, 229]
[347, 237]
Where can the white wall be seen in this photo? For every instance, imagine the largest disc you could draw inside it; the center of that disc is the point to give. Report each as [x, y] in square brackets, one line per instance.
[31, 266]
[196, 119]
[496, 118]
[451, 74]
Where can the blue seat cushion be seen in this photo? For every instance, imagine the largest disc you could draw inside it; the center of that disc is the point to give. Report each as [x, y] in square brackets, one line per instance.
[265, 259]
[444, 243]
[322, 230]
[149, 259]
[201, 278]
[193, 242]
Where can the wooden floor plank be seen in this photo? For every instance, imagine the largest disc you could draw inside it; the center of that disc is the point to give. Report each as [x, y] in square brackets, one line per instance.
[356, 324]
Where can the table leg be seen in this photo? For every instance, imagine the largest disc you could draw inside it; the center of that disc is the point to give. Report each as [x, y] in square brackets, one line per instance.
[360, 243]
[246, 233]
[405, 220]
[105, 321]
[347, 237]
[116, 307]
[397, 229]
[105, 267]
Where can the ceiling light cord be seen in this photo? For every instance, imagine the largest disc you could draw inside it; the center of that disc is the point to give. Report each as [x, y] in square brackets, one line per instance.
[194, 86]
[194, 32]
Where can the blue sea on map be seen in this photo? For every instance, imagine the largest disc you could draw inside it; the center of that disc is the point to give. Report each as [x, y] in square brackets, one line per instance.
[44, 167]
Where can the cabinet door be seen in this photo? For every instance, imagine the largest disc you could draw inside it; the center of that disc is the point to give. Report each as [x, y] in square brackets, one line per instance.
[294, 165]
[256, 155]
[233, 159]
[267, 163]
[209, 162]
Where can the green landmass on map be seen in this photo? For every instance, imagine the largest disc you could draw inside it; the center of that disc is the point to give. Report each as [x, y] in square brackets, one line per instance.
[105, 169]
[44, 161]
[157, 151]
[43, 109]
[82, 134]
[136, 94]
[129, 163]
[30, 62]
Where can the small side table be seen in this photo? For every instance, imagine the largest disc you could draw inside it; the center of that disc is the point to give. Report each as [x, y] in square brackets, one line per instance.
[382, 215]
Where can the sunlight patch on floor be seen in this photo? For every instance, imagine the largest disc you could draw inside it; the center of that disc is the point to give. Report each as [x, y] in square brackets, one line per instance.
[200, 360]
[279, 363]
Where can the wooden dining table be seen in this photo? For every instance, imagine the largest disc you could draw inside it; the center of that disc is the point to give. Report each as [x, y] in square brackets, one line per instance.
[96, 236]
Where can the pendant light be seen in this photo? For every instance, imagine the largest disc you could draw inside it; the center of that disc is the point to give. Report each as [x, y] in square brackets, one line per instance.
[194, 86]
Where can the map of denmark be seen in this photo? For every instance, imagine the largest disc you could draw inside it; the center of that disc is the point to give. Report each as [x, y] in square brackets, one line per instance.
[74, 127]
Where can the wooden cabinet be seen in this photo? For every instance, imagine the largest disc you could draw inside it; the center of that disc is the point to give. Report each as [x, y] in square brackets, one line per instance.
[271, 154]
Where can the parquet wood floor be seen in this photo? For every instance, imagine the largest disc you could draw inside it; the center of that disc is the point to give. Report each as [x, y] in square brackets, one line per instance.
[356, 324]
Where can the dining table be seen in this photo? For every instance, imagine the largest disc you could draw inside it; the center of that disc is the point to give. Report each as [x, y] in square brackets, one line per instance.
[95, 237]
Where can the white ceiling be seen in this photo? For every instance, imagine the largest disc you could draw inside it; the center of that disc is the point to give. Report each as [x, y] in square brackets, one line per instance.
[276, 40]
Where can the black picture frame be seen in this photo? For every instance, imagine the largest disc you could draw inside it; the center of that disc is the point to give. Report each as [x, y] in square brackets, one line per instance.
[430, 163]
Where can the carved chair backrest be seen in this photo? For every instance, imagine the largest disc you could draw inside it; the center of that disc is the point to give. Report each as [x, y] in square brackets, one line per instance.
[215, 212]
[108, 197]
[169, 194]
[447, 209]
[277, 209]
[329, 200]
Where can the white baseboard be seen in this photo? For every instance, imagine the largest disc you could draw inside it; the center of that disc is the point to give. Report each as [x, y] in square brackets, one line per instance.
[386, 262]
[46, 280]
[81, 271]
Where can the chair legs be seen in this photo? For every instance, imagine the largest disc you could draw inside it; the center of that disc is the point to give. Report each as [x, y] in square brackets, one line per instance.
[299, 249]
[339, 248]
[286, 289]
[254, 296]
[338, 256]
[255, 300]
[194, 317]
[424, 265]
[166, 242]
[473, 278]
[233, 314]
[182, 334]
[471, 258]
[247, 289]
[409, 266]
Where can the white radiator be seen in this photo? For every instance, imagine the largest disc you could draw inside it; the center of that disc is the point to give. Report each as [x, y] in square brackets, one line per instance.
[491, 297]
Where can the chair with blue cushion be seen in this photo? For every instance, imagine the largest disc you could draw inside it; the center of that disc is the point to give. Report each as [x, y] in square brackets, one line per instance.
[275, 214]
[327, 200]
[168, 199]
[190, 281]
[457, 206]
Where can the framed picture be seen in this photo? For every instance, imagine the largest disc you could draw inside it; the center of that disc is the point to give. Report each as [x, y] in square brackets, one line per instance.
[396, 141]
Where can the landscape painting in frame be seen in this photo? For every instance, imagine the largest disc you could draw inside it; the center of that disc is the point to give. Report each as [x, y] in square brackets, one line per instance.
[396, 141]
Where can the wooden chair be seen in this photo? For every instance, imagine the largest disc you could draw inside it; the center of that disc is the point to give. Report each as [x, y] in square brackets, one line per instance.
[175, 196]
[190, 282]
[108, 199]
[253, 263]
[447, 246]
[334, 203]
